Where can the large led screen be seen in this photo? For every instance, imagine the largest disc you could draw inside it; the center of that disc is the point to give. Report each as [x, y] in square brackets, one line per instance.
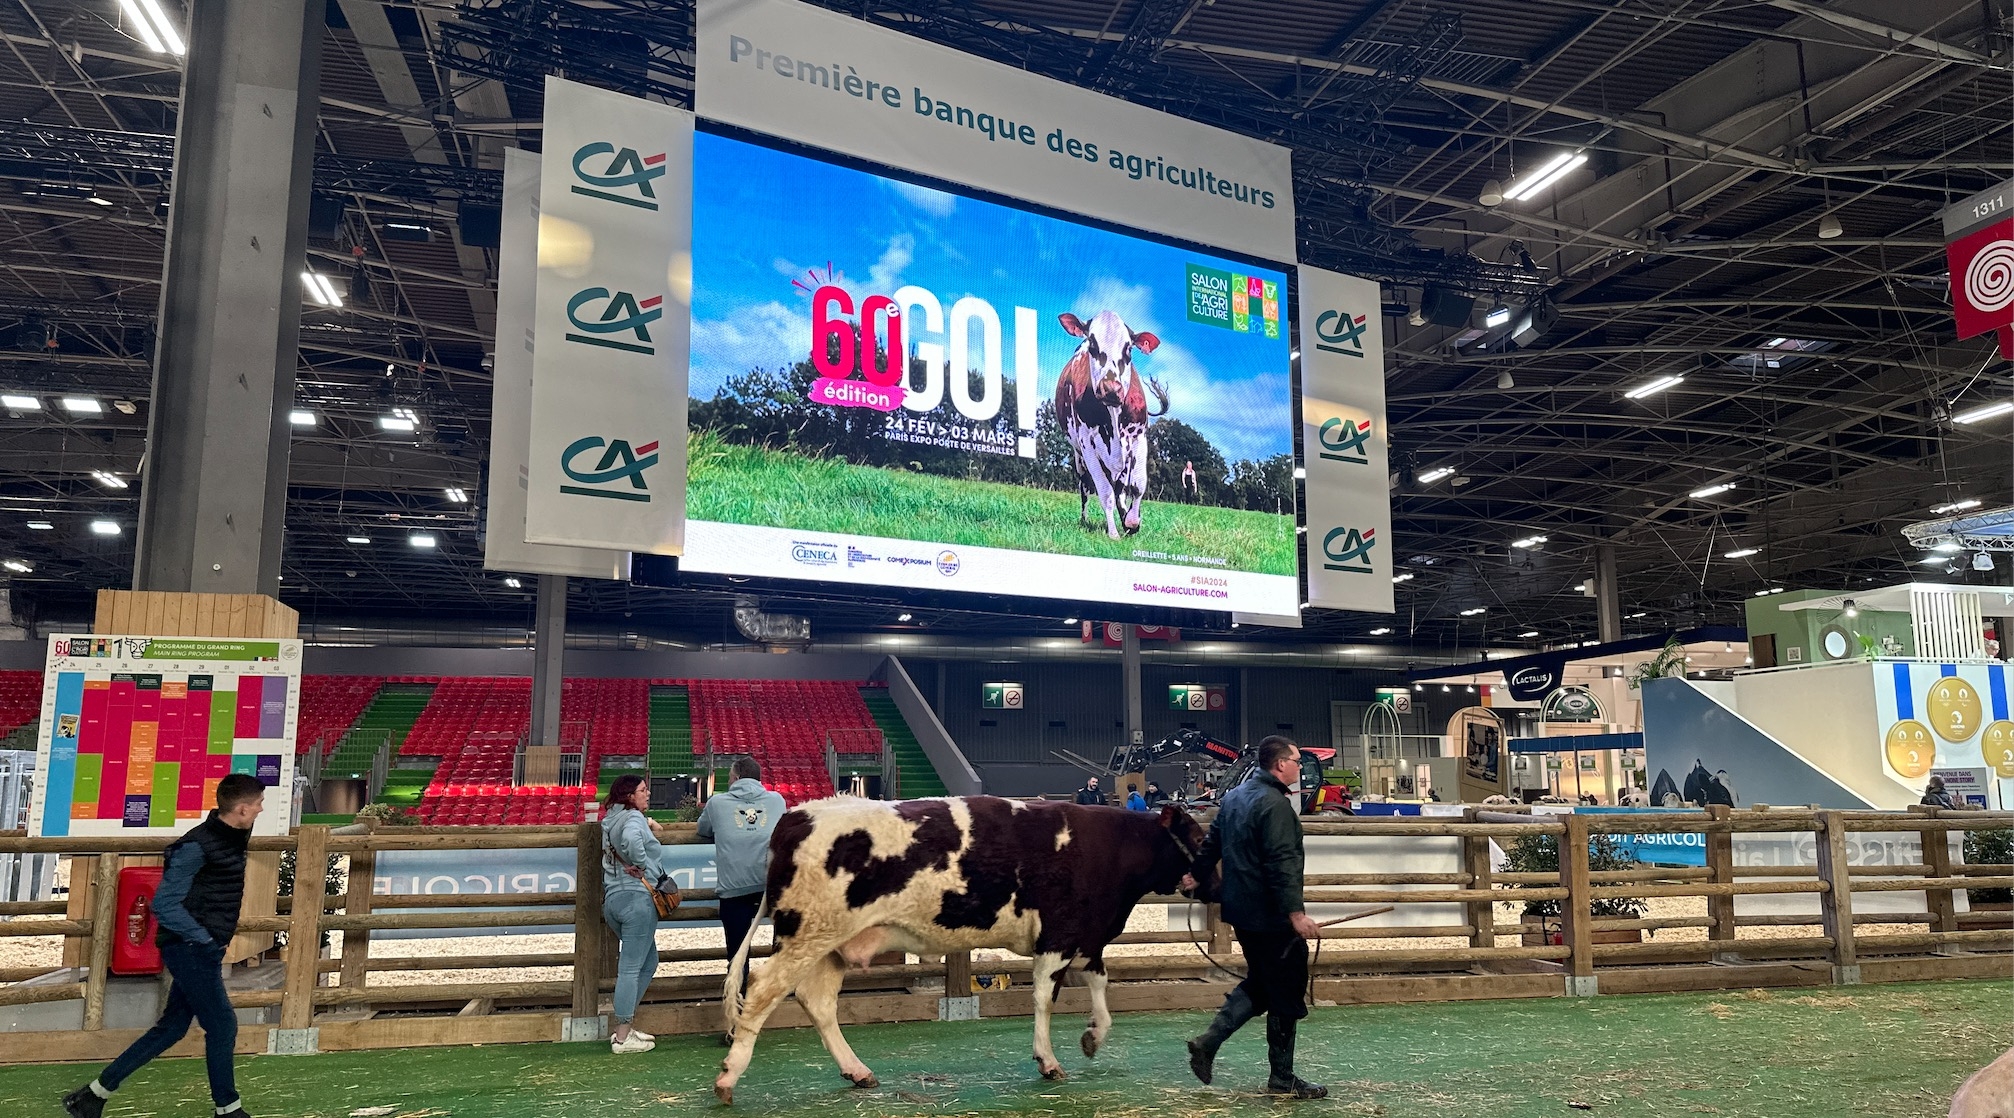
[896, 386]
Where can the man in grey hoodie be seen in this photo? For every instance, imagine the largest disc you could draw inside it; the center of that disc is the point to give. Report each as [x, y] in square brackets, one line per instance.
[738, 822]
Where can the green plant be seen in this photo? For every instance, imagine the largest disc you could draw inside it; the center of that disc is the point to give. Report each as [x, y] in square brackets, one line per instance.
[1988, 848]
[392, 815]
[1540, 854]
[1869, 647]
[1669, 661]
[334, 883]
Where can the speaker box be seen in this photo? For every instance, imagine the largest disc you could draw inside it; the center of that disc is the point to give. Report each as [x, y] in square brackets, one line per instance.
[1446, 308]
[1533, 324]
[481, 226]
[325, 216]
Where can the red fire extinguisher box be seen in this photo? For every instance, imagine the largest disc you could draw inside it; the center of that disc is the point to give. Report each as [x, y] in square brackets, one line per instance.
[133, 950]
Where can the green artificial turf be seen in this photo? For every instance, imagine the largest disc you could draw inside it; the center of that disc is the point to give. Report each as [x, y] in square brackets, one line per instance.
[1871, 1050]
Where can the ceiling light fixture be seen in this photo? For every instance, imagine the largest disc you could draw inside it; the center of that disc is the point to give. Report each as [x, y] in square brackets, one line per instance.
[1417, 318]
[397, 423]
[1069, 621]
[320, 289]
[1711, 491]
[1406, 577]
[359, 539]
[1436, 474]
[1530, 541]
[1829, 227]
[458, 495]
[105, 527]
[1987, 411]
[513, 583]
[41, 526]
[904, 616]
[1955, 506]
[152, 24]
[421, 539]
[1653, 387]
[1493, 193]
[82, 405]
[1742, 553]
[20, 403]
[1382, 630]
[1300, 473]
[1851, 610]
[1497, 316]
[1474, 611]
[300, 418]
[108, 479]
[1982, 560]
[1553, 170]
[18, 567]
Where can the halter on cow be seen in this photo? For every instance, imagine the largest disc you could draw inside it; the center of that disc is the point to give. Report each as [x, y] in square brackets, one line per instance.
[851, 878]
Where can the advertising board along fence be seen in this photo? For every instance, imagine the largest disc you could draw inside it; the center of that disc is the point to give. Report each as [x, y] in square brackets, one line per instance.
[331, 1004]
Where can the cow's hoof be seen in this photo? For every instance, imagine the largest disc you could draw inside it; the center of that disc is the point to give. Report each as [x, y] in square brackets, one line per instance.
[1055, 1074]
[865, 1082]
[724, 1093]
[1090, 1042]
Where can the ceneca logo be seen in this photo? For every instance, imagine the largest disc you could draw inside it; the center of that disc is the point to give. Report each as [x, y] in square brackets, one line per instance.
[621, 313]
[815, 554]
[624, 176]
[1349, 549]
[1346, 441]
[618, 462]
[1337, 329]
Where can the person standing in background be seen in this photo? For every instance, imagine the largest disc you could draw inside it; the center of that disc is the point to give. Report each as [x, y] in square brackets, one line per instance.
[631, 866]
[738, 822]
[196, 910]
[1090, 794]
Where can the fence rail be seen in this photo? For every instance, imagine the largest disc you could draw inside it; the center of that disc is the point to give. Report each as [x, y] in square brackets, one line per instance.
[336, 997]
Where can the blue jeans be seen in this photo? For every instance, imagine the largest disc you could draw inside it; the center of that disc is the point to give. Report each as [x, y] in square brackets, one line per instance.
[196, 995]
[633, 918]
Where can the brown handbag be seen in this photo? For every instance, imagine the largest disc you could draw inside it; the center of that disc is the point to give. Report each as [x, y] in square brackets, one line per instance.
[664, 895]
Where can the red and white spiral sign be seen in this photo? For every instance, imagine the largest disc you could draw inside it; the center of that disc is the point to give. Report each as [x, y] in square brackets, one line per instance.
[1982, 279]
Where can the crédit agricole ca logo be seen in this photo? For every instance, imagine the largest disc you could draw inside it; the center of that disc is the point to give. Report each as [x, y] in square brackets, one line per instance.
[618, 462]
[621, 313]
[624, 176]
[1349, 549]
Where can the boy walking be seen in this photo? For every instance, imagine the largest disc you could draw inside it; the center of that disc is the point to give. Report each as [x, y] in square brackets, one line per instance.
[196, 906]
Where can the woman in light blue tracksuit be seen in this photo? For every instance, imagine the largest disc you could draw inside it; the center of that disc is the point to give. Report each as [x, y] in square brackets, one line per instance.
[630, 866]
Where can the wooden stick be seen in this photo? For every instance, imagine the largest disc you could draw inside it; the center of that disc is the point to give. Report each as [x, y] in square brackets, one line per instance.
[1355, 916]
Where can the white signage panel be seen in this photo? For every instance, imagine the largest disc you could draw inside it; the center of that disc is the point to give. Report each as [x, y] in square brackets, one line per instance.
[1346, 443]
[613, 323]
[504, 546]
[829, 80]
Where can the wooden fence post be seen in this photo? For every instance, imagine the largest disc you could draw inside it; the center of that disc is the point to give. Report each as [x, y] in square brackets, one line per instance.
[587, 1023]
[357, 902]
[1941, 903]
[104, 928]
[1476, 863]
[296, 1034]
[1576, 921]
[1221, 934]
[1720, 871]
[1836, 902]
[959, 1003]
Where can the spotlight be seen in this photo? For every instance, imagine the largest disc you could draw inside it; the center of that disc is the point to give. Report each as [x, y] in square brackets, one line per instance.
[1981, 561]
[1852, 610]
[359, 539]
[82, 405]
[514, 584]
[300, 418]
[104, 527]
[1417, 318]
[1829, 227]
[1381, 631]
[421, 540]
[1497, 316]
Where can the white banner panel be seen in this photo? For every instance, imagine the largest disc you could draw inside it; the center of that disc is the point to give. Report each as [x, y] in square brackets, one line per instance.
[839, 83]
[613, 324]
[504, 548]
[1346, 441]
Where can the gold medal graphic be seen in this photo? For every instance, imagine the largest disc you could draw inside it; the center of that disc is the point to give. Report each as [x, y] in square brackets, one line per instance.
[1910, 750]
[1997, 743]
[1953, 709]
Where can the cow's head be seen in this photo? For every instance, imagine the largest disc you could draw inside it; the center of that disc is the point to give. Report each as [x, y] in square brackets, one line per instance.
[1109, 344]
[1176, 856]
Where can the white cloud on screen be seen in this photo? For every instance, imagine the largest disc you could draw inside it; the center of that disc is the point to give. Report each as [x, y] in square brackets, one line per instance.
[768, 336]
[936, 203]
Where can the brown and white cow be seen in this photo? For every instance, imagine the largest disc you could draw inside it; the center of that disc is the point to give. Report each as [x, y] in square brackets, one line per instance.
[850, 878]
[1103, 412]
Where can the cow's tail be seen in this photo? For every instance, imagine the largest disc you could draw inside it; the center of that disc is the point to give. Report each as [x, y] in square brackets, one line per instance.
[730, 991]
[1160, 392]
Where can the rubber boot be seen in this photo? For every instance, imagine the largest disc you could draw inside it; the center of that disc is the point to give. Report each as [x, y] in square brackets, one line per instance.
[1280, 1055]
[1237, 1010]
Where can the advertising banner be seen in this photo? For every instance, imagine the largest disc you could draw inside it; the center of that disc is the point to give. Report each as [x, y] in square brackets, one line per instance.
[137, 731]
[449, 874]
[609, 355]
[897, 386]
[1535, 681]
[831, 81]
[1937, 717]
[504, 546]
[1345, 443]
[1979, 245]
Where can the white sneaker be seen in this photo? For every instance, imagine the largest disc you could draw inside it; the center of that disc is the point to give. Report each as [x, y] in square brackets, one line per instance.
[640, 1034]
[633, 1043]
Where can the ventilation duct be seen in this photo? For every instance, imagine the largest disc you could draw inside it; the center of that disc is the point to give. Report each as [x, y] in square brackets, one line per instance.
[770, 628]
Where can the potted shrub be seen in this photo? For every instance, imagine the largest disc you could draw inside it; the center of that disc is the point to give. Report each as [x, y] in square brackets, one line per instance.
[1540, 854]
[1988, 848]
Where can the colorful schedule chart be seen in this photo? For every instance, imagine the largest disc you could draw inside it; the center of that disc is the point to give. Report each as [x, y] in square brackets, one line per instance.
[137, 731]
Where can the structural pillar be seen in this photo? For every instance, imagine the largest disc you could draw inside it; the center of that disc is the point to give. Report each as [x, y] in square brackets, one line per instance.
[1607, 595]
[548, 659]
[213, 492]
[1129, 667]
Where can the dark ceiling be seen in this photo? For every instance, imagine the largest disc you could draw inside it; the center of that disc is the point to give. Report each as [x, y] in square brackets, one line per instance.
[1819, 374]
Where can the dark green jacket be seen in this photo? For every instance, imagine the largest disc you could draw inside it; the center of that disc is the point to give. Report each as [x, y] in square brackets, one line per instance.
[1257, 837]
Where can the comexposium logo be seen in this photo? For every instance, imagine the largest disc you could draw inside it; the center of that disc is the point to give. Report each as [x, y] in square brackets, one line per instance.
[948, 563]
[1349, 549]
[618, 461]
[621, 313]
[623, 177]
[814, 554]
[1336, 330]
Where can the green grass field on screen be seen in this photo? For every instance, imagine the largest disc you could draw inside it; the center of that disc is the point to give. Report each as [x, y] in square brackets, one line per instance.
[738, 484]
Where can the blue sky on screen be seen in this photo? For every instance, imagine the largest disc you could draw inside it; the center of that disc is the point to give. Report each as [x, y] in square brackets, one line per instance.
[762, 218]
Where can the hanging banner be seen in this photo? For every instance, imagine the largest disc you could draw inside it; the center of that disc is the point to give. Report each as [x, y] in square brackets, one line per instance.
[1345, 442]
[504, 546]
[1535, 681]
[613, 324]
[842, 84]
[1979, 244]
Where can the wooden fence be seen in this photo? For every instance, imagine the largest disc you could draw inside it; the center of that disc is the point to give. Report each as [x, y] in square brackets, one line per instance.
[330, 1004]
